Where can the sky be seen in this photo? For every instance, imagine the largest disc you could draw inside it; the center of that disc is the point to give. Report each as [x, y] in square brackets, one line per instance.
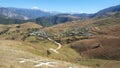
[71, 6]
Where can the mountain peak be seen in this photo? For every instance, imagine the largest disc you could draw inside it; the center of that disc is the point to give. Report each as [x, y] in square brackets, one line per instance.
[35, 8]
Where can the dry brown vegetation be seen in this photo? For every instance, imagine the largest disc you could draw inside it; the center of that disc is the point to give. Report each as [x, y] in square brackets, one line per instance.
[104, 44]
[65, 26]
[12, 50]
[11, 53]
[98, 48]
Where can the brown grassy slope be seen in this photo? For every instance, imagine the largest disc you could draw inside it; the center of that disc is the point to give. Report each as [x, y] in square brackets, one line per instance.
[65, 26]
[105, 44]
[11, 53]
[23, 26]
[112, 29]
[106, 34]
[41, 45]
[19, 31]
[30, 25]
[84, 23]
[98, 48]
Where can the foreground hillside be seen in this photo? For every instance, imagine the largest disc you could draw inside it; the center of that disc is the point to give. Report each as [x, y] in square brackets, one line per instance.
[21, 51]
[15, 54]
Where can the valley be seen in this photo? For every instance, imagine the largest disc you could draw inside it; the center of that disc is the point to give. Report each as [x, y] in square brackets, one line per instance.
[59, 40]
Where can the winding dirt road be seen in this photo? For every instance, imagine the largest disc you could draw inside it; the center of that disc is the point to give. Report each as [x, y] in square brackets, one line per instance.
[55, 50]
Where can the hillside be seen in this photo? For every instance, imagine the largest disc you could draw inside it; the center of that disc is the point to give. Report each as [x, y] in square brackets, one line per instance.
[96, 38]
[16, 54]
[6, 21]
[57, 19]
[96, 31]
[29, 51]
[19, 32]
[65, 26]
[107, 11]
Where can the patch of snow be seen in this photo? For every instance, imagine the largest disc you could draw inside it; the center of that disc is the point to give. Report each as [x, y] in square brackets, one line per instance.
[35, 8]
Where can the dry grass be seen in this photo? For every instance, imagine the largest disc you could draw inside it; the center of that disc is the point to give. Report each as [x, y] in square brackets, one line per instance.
[23, 26]
[12, 51]
[65, 26]
[98, 63]
[30, 25]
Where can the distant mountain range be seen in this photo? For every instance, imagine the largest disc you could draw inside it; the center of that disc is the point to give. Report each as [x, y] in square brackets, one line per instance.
[20, 15]
[23, 14]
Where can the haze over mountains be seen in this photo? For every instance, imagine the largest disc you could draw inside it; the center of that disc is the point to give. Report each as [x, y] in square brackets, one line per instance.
[23, 14]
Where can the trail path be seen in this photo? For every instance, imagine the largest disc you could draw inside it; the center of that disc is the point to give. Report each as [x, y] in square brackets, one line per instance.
[55, 50]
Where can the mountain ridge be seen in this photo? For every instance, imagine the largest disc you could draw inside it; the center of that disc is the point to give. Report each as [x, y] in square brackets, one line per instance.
[22, 13]
[50, 19]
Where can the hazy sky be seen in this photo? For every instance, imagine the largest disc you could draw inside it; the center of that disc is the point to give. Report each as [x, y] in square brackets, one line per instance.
[80, 6]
